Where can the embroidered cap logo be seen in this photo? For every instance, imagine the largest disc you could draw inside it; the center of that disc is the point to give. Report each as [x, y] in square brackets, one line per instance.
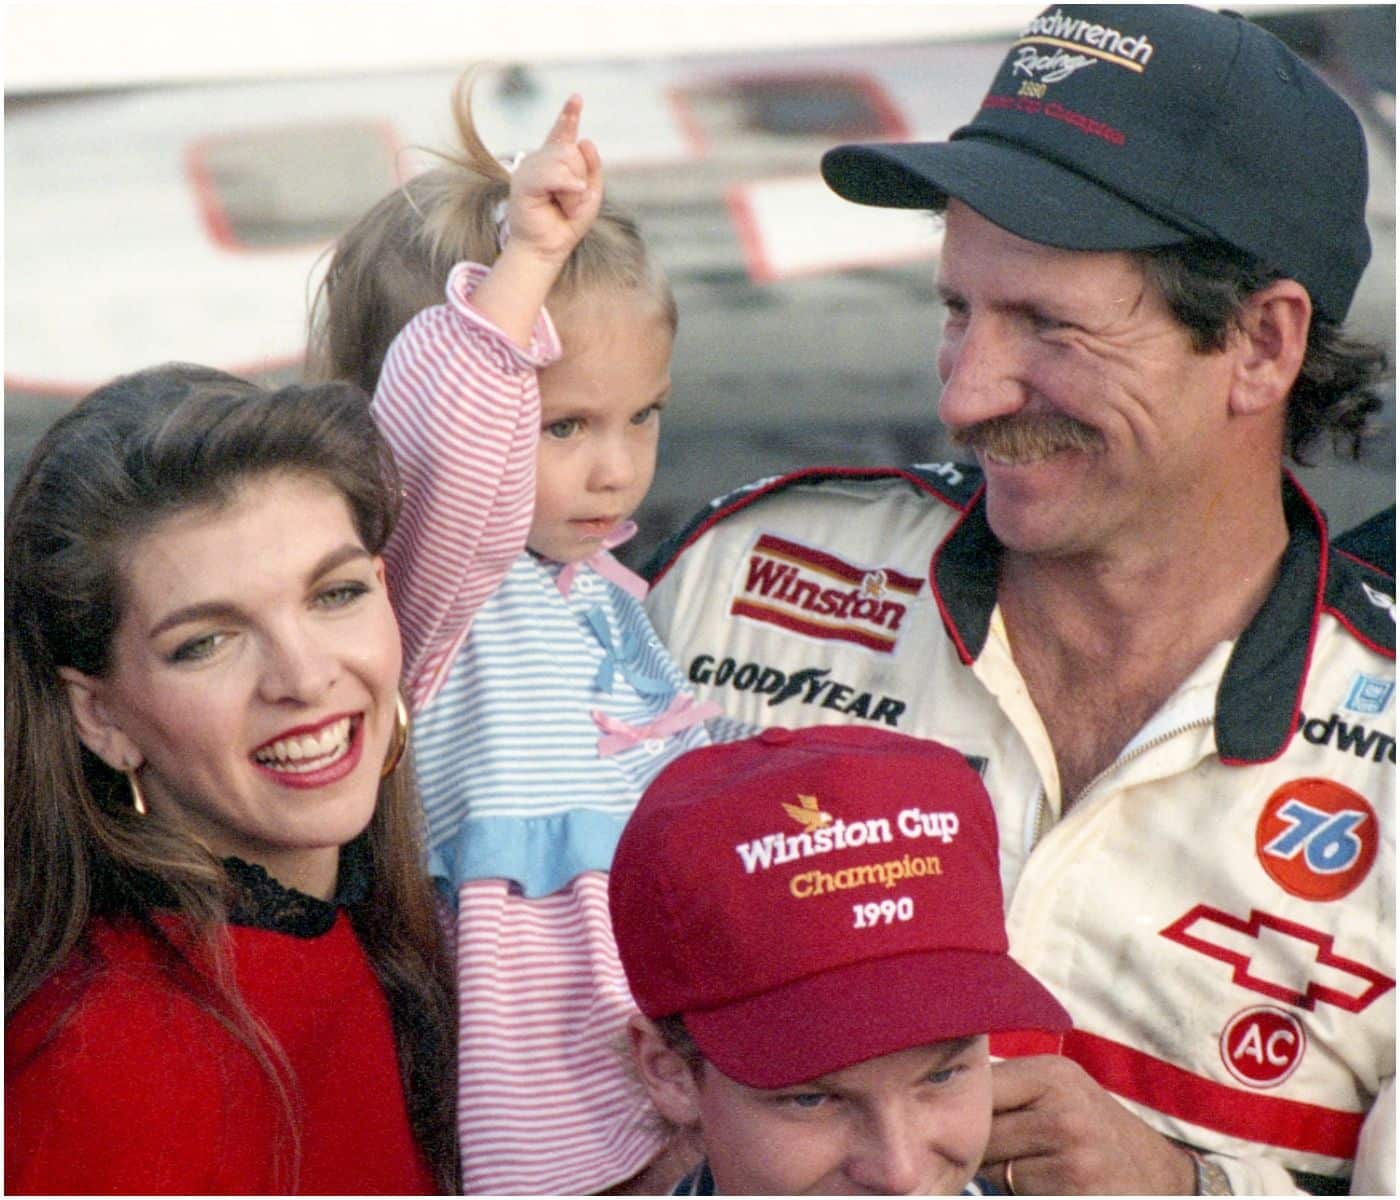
[807, 813]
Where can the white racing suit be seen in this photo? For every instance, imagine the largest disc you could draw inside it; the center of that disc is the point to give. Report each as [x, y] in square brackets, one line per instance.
[1217, 909]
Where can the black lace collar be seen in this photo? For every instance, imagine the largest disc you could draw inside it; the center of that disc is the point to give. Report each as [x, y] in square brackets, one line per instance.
[260, 902]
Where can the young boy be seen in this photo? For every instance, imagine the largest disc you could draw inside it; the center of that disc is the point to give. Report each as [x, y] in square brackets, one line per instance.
[811, 923]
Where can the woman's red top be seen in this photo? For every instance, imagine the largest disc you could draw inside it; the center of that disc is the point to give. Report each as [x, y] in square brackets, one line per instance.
[117, 1080]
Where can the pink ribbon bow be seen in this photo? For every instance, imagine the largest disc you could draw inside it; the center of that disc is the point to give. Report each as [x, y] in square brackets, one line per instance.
[607, 566]
[682, 714]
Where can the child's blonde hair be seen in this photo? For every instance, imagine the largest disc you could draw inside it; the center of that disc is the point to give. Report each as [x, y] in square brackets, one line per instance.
[394, 261]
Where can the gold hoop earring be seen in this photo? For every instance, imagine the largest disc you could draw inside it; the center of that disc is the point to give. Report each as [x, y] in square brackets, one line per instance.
[138, 797]
[400, 740]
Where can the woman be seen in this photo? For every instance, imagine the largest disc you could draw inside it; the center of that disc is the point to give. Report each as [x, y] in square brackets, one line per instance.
[224, 969]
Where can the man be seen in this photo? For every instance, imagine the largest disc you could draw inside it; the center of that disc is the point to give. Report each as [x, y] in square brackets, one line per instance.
[1181, 697]
[811, 923]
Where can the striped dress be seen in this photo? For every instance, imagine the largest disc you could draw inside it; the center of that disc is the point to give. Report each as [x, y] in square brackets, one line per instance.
[532, 740]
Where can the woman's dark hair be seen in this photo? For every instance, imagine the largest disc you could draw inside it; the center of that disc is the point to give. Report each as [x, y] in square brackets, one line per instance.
[134, 453]
[1206, 285]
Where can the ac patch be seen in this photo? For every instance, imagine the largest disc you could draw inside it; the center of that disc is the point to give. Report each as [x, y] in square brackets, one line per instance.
[1261, 1047]
[1317, 839]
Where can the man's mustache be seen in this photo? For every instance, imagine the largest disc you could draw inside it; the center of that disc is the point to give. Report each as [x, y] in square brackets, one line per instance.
[1028, 437]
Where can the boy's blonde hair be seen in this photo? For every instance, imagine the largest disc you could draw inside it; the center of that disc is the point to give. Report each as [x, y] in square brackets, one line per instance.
[394, 261]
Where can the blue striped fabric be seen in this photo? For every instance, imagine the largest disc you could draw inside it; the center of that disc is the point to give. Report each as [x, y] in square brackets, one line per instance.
[507, 751]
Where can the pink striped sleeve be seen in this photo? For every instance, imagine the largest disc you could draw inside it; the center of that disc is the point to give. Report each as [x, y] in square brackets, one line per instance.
[460, 405]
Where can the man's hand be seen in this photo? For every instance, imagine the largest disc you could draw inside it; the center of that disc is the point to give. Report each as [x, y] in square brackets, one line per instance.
[1065, 1134]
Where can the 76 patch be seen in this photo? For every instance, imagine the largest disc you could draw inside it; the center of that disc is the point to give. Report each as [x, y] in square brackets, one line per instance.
[1317, 838]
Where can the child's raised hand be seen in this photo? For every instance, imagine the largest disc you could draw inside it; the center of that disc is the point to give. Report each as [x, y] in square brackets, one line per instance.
[555, 194]
[556, 190]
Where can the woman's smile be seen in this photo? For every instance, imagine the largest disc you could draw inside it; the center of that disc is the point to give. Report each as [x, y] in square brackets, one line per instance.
[312, 756]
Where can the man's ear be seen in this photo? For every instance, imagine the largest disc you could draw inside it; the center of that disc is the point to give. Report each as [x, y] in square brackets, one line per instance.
[1270, 343]
[97, 729]
[667, 1077]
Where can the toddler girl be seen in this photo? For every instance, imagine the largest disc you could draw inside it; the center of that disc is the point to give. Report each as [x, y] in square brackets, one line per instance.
[526, 438]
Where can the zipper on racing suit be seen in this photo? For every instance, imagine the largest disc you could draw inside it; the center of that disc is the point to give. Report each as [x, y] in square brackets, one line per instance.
[1042, 807]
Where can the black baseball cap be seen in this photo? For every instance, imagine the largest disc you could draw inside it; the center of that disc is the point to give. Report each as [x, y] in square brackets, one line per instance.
[1128, 126]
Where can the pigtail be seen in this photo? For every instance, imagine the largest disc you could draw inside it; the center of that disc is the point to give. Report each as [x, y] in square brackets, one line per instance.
[394, 261]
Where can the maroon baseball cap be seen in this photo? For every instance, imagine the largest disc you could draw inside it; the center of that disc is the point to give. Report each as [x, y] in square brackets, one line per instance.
[1128, 126]
[809, 899]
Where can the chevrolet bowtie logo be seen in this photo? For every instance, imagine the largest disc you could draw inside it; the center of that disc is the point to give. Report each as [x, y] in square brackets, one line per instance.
[809, 815]
[1280, 959]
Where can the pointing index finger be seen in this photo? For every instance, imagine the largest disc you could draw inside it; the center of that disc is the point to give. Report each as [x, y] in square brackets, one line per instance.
[565, 131]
